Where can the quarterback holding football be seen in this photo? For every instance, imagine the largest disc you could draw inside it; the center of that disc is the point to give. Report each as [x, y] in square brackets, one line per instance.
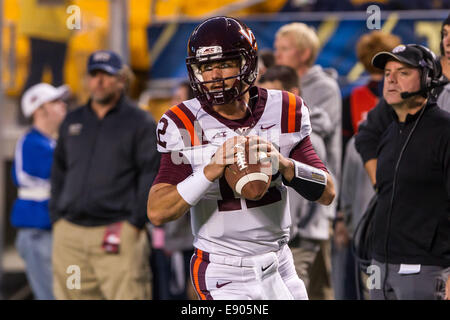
[227, 156]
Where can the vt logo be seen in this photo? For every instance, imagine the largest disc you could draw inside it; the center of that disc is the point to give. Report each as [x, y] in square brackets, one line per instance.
[248, 34]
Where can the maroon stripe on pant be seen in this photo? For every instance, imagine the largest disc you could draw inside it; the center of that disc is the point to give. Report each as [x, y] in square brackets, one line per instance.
[202, 279]
[201, 273]
[284, 112]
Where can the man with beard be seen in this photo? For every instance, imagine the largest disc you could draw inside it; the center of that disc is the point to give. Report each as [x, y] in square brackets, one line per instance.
[104, 162]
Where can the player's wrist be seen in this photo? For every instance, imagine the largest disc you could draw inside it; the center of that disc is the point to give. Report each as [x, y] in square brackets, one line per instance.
[286, 168]
[194, 187]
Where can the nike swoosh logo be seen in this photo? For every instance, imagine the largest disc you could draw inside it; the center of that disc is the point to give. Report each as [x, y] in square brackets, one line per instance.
[222, 284]
[267, 128]
[264, 269]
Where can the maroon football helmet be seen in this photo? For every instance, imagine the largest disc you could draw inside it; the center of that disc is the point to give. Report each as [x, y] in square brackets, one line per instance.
[219, 39]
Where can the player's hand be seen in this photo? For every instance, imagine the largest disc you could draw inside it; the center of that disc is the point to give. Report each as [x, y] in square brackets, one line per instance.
[279, 162]
[225, 155]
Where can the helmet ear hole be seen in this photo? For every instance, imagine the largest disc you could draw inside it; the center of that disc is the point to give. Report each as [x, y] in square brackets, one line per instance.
[197, 72]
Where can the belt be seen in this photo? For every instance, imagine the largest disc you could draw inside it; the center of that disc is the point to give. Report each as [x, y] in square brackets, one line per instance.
[248, 261]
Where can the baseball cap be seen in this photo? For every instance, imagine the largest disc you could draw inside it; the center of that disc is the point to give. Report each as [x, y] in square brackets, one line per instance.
[444, 23]
[105, 60]
[39, 94]
[403, 53]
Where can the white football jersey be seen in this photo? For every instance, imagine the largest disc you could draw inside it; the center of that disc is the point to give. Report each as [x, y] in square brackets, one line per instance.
[222, 222]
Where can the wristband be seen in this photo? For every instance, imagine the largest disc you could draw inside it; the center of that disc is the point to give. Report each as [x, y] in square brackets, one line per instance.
[194, 187]
[308, 181]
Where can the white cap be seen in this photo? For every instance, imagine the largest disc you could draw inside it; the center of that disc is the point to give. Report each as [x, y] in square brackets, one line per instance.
[39, 94]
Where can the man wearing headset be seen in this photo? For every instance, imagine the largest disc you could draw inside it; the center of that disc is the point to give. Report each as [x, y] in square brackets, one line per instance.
[379, 117]
[412, 217]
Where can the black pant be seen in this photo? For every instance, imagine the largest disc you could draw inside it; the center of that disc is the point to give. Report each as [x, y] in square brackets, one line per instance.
[423, 285]
[45, 53]
[164, 275]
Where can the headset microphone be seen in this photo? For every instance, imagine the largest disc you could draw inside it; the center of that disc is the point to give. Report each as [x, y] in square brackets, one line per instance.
[406, 94]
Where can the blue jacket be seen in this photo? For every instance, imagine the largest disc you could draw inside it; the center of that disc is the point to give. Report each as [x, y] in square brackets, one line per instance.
[31, 174]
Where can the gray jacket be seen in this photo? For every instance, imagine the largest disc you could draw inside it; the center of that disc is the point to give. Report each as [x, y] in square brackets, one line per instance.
[319, 89]
[356, 190]
[443, 100]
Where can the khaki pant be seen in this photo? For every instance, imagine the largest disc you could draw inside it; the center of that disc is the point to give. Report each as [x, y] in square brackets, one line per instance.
[312, 259]
[83, 270]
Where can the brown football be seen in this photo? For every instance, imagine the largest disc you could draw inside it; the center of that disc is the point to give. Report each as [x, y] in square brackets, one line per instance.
[251, 175]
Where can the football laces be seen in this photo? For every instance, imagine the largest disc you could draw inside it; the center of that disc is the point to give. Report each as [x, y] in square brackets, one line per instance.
[240, 157]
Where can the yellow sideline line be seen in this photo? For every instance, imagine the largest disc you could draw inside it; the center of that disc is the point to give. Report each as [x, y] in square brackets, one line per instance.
[358, 68]
[327, 29]
[166, 35]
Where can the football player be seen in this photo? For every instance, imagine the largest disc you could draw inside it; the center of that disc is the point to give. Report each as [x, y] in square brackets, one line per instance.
[240, 245]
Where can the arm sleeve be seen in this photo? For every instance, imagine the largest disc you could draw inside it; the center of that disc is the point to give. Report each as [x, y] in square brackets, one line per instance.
[444, 156]
[37, 159]
[172, 173]
[58, 172]
[147, 161]
[174, 166]
[370, 131]
[304, 152]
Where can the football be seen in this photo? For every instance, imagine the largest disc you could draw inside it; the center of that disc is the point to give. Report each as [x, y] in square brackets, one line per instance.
[251, 175]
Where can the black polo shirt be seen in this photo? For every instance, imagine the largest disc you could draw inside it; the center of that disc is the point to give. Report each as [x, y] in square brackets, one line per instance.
[418, 228]
[103, 169]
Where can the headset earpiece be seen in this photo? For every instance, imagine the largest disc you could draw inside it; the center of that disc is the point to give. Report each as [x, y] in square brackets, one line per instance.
[431, 67]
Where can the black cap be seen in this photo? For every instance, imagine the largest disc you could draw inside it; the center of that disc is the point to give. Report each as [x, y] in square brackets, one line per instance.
[446, 21]
[105, 60]
[408, 54]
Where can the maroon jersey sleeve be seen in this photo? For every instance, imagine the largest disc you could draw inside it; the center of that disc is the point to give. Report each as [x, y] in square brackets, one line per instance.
[170, 172]
[305, 153]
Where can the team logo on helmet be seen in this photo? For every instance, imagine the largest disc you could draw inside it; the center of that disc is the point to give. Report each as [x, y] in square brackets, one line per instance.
[248, 34]
[213, 52]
